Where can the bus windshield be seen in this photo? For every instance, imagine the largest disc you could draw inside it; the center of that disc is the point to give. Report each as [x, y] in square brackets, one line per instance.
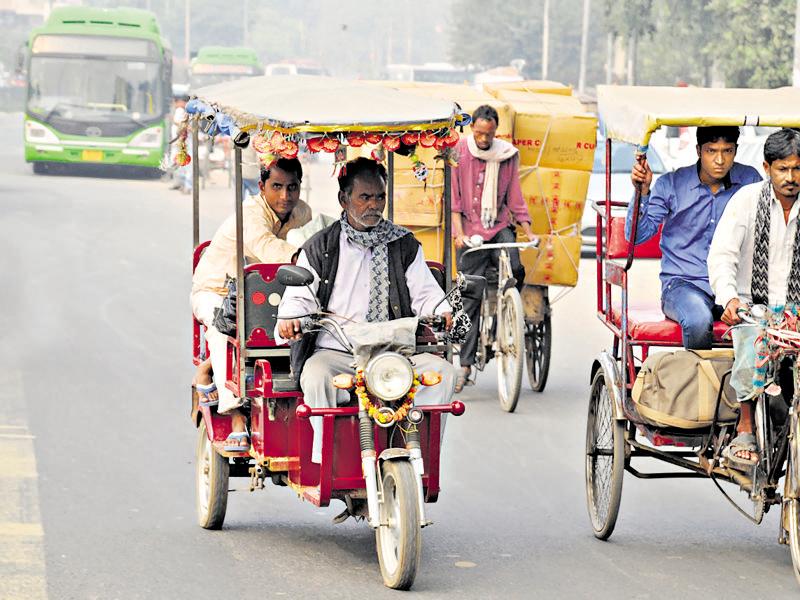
[91, 87]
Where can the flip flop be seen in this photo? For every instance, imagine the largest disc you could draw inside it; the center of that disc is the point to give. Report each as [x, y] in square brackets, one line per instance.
[743, 441]
[204, 390]
[240, 436]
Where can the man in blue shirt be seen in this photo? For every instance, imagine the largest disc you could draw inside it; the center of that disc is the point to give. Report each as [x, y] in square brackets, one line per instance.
[689, 202]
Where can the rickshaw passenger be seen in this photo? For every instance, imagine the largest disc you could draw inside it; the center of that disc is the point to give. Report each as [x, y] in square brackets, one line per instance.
[267, 218]
[356, 263]
[689, 203]
[487, 200]
[755, 259]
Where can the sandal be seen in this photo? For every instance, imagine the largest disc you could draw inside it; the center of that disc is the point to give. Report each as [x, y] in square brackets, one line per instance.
[204, 391]
[237, 441]
[462, 379]
[742, 442]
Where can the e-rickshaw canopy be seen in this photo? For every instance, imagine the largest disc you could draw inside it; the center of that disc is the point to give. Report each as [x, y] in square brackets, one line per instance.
[308, 104]
[632, 113]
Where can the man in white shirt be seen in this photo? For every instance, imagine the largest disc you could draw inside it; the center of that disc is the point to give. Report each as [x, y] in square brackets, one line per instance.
[267, 218]
[755, 259]
[365, 269]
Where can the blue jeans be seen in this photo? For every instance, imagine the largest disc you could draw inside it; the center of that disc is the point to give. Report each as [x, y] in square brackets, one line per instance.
[694, 310]
[249, 186]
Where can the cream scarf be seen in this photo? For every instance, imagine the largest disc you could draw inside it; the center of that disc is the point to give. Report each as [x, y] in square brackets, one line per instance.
[499, 151]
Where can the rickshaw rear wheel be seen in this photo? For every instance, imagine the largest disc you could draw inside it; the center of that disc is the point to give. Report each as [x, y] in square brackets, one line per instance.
[538, 340]
[605, 459]
[792, 499]
[511, 346]
[399, 537]
[212, 472]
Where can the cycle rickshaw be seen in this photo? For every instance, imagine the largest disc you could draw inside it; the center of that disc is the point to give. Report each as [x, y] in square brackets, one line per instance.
[618, 434]
[391, 468]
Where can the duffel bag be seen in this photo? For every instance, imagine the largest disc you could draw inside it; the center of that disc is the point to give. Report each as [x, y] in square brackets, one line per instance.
[679, 389]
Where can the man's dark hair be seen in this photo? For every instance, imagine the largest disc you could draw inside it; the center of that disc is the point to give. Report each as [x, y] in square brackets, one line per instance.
[484, 111]
[782, 144]
[360, 167]
[716, 133]
[290, 165]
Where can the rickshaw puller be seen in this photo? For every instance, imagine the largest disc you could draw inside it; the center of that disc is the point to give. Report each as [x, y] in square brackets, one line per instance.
[487, 200]
[365, 269]
[755, 259]
[689, 203]
[267, 218]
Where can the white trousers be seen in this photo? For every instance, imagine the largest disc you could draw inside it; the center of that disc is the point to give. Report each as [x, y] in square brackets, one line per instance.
[203, 305]
[316, 382]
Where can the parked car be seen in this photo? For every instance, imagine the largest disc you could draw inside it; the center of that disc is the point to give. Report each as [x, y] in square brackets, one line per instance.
[622, 158]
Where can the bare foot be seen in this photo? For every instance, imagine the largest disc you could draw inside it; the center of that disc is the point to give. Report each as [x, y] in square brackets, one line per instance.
[203, 376]
[238, 421]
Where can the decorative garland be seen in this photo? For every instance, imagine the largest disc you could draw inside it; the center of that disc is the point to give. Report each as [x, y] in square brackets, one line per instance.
[384, 415]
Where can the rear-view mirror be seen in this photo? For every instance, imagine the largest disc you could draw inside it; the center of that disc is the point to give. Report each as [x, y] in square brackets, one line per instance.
[294, 276]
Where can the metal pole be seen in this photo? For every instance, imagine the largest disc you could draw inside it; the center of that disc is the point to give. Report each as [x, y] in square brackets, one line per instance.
[545, 38]
[237, 169]
[448, 227]
[390, 190]
[195, 184]
[245, 22]
[585, 45]
[796, 68]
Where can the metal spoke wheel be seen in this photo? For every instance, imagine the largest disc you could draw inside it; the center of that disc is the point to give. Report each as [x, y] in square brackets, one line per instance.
[605, 459]
[399, 537]
[510, 348]
[538, 339]
[791, 508]
[212, 471]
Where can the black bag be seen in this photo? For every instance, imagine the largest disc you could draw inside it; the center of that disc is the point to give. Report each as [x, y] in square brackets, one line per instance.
[225, 315]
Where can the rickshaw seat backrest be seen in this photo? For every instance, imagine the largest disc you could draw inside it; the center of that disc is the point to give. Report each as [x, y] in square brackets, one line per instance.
[263, 294]
[437, 270]
[198, 253]
[618, 245]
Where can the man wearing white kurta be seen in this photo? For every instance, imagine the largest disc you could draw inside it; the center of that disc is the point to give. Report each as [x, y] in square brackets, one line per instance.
[755, 259]
[365, 270]
[267, 219]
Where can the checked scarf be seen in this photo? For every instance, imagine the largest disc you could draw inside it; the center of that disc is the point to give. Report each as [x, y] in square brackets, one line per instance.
[377, 239]
[759, 286]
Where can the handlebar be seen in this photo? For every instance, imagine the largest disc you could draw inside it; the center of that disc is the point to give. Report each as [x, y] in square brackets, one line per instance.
[521, 245]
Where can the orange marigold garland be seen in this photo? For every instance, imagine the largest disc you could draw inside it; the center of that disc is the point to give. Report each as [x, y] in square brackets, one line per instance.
[374, 411]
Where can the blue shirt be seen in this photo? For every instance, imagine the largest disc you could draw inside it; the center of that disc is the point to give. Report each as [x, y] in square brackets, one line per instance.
[690, 213]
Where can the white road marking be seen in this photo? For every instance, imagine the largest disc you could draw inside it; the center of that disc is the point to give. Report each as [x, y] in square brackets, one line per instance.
[22, 566]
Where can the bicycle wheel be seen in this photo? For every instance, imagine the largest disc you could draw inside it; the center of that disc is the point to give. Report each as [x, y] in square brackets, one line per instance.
[605, 459]
[510, 348]
[792, 493]
[538, 340]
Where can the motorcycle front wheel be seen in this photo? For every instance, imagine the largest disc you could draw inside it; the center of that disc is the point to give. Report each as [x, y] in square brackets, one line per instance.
[511, 348]
[399, 537]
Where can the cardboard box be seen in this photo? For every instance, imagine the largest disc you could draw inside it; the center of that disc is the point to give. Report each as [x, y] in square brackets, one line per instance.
[555, 262]
[555, 198]
[418, 202]
[555, 140]
[432, 240]
[539, 86]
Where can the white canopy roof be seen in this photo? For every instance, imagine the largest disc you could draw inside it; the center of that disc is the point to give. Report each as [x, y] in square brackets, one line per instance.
[633, 113]
[300, 103]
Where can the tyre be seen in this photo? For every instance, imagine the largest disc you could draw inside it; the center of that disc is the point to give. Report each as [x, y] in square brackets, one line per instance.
[605, 459]
[399, 537]
[538, 339]
[792, 501]
[212, 482]
[510, 348]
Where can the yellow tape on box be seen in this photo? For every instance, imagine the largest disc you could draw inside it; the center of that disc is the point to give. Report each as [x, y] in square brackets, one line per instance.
[555, 197]
[555, 262]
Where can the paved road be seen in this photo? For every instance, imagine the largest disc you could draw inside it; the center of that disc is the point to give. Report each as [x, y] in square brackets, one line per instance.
[94, 372]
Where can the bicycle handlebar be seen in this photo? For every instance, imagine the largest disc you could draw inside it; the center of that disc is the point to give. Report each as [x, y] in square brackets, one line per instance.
[521, 245]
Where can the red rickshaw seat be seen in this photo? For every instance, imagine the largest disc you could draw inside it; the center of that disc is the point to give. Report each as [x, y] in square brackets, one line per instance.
[647, 324]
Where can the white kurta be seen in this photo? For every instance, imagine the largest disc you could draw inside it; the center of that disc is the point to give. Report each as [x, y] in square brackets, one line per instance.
[730, 258]
[350, 294]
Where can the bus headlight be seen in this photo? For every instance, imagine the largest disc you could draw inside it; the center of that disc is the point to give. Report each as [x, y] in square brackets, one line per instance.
[36, 133]
[389, 376]
[149, 138]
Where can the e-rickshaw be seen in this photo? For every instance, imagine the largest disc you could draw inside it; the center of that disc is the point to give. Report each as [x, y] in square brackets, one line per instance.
[618, 433]
[380, 456]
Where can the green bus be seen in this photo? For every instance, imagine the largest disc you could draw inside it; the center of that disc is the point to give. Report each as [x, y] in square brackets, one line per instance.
[215, 64]
[99, 89]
